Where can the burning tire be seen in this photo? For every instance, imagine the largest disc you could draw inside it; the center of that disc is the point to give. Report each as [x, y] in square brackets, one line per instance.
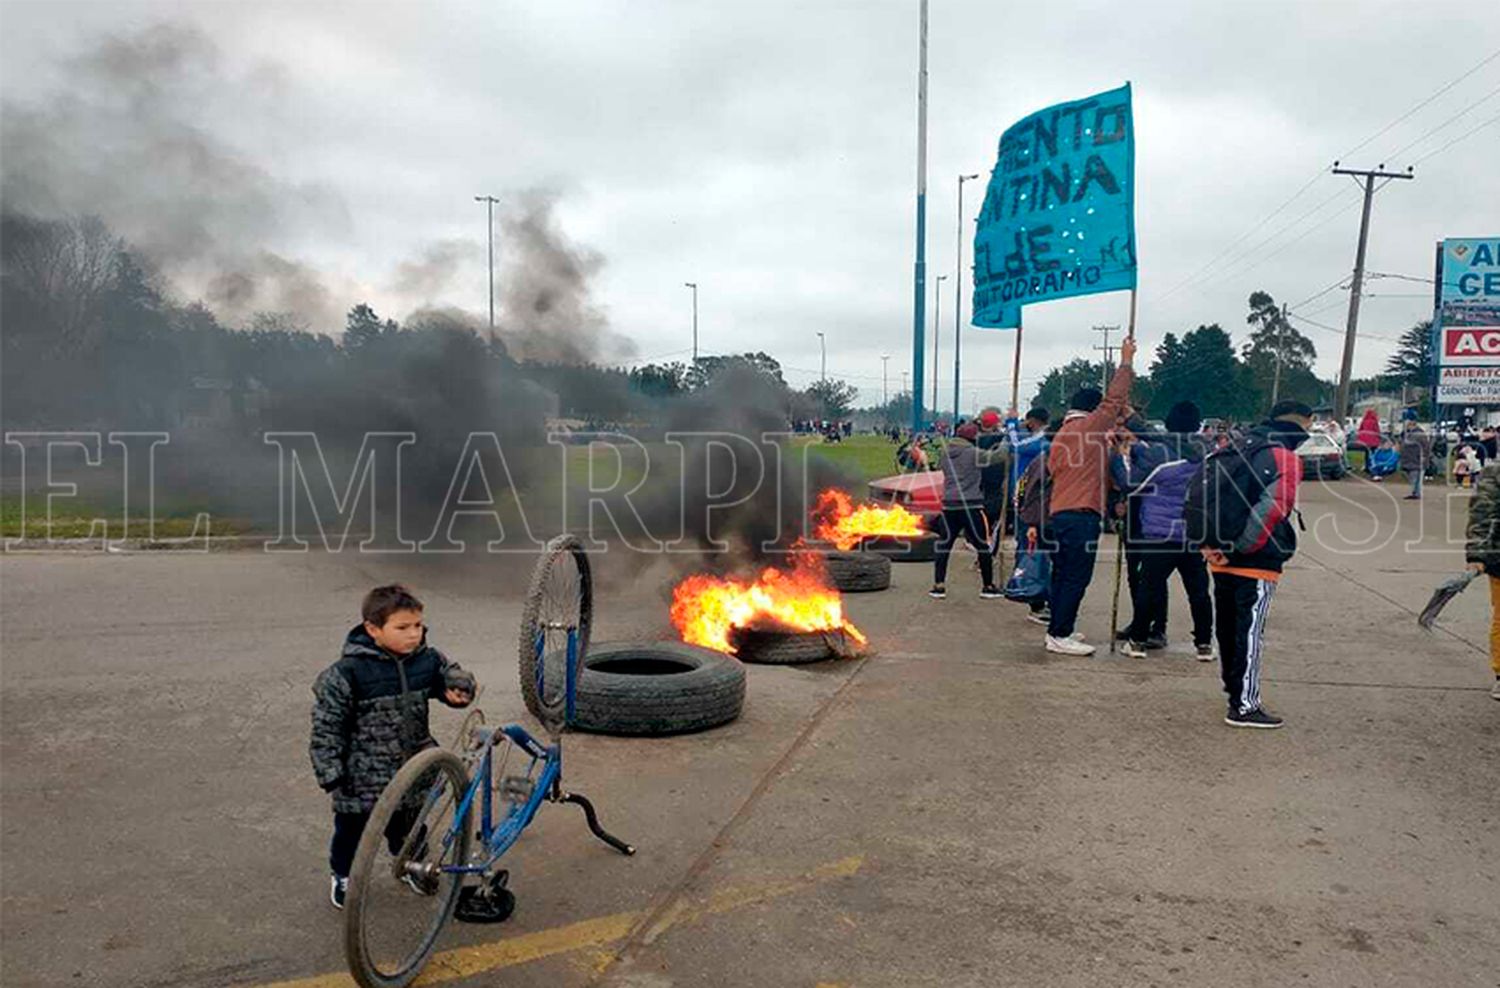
[858, 572]
[900, 548]
[784, 648]
[657, 688]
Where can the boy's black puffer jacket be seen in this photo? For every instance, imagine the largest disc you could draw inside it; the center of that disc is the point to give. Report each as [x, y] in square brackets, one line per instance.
[370, 715]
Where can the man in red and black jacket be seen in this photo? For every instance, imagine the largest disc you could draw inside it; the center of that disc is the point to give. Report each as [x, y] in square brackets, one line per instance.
[1246, 574]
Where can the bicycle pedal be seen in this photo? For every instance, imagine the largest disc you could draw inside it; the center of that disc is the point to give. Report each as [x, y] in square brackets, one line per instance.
[516, 788]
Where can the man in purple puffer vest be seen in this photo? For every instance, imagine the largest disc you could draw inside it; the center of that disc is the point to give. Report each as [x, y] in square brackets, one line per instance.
[1155, 476]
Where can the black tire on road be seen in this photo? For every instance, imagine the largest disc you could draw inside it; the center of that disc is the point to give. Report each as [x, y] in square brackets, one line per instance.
[420, 770]
[901, 549]
[858, 572]
[657, 688]
[781, 647]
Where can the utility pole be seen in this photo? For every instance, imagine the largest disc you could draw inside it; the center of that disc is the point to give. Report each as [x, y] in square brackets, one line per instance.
[885, 389]
[1280, 344]
[1341, 406]
[489, 208]
[694, 286]
[823, 368]
[958, 293]
[920, 269]
[904, 388]
[1108, 353]
[937, 326]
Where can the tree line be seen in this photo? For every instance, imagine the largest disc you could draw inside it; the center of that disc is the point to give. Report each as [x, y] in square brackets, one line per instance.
[1204, 366]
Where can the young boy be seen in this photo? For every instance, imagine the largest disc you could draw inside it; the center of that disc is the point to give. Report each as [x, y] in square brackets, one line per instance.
[370, 715]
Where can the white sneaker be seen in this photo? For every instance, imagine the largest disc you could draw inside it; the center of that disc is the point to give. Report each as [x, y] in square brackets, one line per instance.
[1132, 650]
[1068, 646]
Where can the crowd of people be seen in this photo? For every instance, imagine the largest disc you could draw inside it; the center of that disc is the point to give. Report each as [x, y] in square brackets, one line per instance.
[1215, 508]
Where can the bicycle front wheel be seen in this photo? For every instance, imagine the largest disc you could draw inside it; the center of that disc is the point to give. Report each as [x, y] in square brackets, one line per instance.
[400, 894]
[559, 609]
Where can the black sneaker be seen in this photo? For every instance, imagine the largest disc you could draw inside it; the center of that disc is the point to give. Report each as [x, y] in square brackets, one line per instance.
[1255, 718]
[937, 592]
[338, 890]
[991, 593]
[1156, 642]
[1205, 653]
[489, 903]
[1042, 617]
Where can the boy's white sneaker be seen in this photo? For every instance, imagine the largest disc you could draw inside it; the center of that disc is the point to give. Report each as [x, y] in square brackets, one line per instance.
[338, 890]
[1069, 646]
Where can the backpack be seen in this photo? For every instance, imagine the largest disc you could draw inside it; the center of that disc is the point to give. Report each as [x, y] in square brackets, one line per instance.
[1221, 494]
[1034, 492]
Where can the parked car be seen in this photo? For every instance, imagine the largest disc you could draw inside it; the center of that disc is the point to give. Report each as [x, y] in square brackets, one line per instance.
[1322, 456]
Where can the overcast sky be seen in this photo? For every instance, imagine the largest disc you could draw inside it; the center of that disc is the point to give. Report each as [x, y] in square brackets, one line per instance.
[767, 151]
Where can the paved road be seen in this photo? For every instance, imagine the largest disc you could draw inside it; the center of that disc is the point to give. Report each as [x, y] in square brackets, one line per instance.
[958, 809]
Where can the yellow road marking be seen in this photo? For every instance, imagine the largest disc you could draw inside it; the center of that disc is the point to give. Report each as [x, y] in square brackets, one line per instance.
[465, 962]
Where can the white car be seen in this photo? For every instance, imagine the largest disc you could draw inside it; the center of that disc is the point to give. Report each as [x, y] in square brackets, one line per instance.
[1322, 456]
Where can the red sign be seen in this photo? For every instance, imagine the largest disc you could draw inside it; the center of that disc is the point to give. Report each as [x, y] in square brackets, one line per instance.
[1471, 345]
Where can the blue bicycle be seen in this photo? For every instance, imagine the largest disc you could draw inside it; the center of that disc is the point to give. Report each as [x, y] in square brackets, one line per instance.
[413, 869]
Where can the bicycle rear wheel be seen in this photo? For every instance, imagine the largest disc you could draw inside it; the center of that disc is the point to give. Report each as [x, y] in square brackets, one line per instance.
[559, 606]
[399, 896]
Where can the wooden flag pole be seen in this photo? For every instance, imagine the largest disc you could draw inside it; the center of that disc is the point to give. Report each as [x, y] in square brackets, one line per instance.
[1114, 608]
[1015, 372]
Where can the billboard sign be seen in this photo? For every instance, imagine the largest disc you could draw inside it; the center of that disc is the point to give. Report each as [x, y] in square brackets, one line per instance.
[1467, 320]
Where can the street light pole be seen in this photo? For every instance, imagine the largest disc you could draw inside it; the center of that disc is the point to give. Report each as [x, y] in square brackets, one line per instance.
[489, 208]
[823, 368]
[958, 289]
[885, 390]
[694, 286]
[919, 269]
[937, 327]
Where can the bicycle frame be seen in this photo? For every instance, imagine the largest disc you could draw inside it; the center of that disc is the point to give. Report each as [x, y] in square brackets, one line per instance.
[546, 784]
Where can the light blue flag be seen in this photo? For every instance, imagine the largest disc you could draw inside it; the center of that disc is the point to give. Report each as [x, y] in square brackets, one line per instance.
[1059, 213]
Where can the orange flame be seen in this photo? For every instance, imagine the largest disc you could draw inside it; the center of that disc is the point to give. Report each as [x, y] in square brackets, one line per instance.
[706, 610]
[839, 522]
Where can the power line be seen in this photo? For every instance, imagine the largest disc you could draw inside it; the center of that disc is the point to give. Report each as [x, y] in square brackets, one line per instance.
[1320, 173]
[1335, 329]
[1372, 138]
[1408, 146]
[1263, 221]
[1239, 271]
[1458, 139]
[1338, 283]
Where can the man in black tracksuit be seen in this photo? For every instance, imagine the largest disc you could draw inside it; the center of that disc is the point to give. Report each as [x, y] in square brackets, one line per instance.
[1246, 573]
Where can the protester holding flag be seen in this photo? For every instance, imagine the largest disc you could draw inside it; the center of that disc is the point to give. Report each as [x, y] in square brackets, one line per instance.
[1078, 465]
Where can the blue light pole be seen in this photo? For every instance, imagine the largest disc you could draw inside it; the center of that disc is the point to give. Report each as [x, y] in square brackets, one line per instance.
[920, 272]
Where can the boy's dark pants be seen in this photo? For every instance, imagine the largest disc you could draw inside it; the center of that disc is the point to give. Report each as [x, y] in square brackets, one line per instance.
[1241, 604]
[347, 829]
[1149, 597]
[1075, 540]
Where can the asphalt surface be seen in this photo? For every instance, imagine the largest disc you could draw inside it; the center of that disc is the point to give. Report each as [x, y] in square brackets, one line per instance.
[956, 809]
